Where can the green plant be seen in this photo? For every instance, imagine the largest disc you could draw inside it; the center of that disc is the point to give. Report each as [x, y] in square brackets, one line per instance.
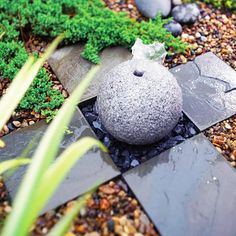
[35, 189]
[81, 20]
[221, 4]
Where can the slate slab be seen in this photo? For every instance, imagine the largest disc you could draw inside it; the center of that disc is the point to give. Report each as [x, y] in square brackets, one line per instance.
[94, 168]
[70, 67]
[187, 190]
[209, 90]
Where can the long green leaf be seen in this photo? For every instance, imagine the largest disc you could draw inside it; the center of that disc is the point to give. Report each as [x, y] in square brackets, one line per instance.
[62, 227]
[14, 94]
[10, 164]
[58, 170]
[24, 213]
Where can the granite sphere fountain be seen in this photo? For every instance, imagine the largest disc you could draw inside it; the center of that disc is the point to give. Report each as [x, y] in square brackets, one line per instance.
[140, 101]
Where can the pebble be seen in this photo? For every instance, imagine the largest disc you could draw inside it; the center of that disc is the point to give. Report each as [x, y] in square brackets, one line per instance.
[17, 123]
[223, 137]
[174, 27]
[100, 220]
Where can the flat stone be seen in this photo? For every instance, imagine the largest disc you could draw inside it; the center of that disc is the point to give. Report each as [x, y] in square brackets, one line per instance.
[70, 67]
[93, 168]
[187, 190]
[209, 90]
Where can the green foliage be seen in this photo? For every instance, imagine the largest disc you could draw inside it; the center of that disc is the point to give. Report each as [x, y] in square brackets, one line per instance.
[221, 4]
[81, 20]
[29, 201]
[40, 95]
[87, 20]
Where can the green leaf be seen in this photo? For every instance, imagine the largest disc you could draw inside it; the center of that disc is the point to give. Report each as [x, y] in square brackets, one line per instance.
[10, 164]
[58, 170]
[23, 215]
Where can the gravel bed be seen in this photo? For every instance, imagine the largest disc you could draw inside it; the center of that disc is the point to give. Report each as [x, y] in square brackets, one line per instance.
[128, 156]
[112, 210]
[223, 137]
[215, 31]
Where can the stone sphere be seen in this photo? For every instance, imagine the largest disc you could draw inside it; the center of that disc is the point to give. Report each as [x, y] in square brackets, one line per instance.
[139, 102]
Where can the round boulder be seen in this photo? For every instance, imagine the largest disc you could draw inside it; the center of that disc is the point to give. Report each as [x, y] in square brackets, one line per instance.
[186, 13]
[139, 102]
[174, 27]
[150, 8]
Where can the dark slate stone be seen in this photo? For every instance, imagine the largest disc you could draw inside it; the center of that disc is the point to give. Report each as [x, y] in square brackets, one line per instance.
[93, 168]
[70, 67]
[209, 90]
[188, 190]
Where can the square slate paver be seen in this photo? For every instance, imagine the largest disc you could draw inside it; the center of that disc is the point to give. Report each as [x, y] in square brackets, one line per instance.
[70, 67]
[93, 168]
[209, 90]
[188, 190]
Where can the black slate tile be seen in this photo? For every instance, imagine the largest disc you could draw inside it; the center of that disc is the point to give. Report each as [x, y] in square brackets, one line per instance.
[209, 90]
[70, 67]
[188, 190]
[94, 168]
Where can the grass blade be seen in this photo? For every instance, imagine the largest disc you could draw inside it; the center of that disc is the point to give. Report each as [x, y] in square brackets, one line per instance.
[58, 170]
[62, 227]
[7, 165]
[24, 212]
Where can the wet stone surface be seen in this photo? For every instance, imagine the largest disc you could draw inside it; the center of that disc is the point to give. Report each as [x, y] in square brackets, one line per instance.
[128, 156]
[209, 90]
[94, 167]
[191, 181]
[70, 67]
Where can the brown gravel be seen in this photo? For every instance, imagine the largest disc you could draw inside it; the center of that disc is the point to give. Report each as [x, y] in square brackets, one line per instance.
[124, 6]
[111, 211]
[223, 137]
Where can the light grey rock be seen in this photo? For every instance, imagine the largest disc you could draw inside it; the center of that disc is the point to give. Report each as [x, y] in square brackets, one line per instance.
[174, 27]
[139, 102]
[150, 8]
[186, 13]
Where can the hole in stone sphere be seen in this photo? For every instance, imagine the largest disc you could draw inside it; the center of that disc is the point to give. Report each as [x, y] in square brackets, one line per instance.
[138, 73]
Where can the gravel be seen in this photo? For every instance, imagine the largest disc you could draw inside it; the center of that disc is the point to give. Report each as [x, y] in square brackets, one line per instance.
[112, 210]
[128, 156]
[223, 137]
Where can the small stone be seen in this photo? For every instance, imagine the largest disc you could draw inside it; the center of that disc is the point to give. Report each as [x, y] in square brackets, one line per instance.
[16, 123]
[203, 39]
[107, 189]
[134, 163]
[227, 126]
[174, 27]
[186, 13]
[31, 122]
[150, 8]
[198, 35]
[111, 225]
[104, 204]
